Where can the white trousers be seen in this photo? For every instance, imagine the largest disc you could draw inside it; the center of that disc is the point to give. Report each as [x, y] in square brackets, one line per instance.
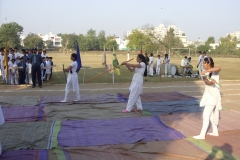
[208, 115]
[3, 73]
[151, 69]
[134, 99]
[167, 68]
[14, 78]
[158, 70]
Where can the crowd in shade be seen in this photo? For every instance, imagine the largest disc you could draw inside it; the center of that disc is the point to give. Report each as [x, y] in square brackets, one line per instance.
[25, 67]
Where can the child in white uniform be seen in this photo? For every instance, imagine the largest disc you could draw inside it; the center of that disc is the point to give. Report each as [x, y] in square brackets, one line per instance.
[72, 79]
[158, 65]
[135, 88]
[211, 100]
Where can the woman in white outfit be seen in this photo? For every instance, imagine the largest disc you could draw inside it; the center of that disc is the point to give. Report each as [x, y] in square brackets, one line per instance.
[211, 98]
[135, 88]
[72, 79]
[166, 63]
[151, 62]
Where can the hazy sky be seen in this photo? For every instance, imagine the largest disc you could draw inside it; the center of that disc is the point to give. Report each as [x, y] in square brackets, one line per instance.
[196, 18]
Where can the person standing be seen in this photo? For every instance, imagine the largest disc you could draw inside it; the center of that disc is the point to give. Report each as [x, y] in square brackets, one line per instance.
[211, 99]
[151, 61]
[200, 63]
[147, 61]
[72, 79]
[21, 71]
[2, 65]
[36, 61]
[158, 65]
[184, 64]
[136, 86]
[166, 63]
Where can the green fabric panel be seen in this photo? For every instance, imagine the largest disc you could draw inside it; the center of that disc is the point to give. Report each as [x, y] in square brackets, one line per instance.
[56, 130]
[27, 135]
[212, 150]
[60, 154]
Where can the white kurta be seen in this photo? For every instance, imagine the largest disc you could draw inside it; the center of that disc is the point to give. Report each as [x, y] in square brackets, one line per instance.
[211, 96]
[136, 88]
[72, 78]
[158, 66]
[48, 70]
[167, 65]
[200, 63]
[151, 60]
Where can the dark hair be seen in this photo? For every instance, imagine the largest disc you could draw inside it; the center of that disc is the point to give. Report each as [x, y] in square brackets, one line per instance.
[151, 54]
[200, 52]
[209, 60]
[74, 55]
[166, 56]
[140, 56]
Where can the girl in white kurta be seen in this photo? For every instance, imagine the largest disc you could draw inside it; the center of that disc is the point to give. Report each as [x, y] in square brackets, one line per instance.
[166, 62]
[135, 88]
[72, 79]
[211, 99]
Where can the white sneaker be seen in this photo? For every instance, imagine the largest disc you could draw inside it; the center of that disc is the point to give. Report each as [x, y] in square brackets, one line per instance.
[213, 134]
[77, 100]
[63, 101]
[199, 137]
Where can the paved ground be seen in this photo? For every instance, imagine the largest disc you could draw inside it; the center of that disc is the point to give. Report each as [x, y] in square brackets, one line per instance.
[230, 90]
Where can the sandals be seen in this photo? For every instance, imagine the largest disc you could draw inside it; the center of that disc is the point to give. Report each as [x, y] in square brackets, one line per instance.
[125, 111]
[138, 110]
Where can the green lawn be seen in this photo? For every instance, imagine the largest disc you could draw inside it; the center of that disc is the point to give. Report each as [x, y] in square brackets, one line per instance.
[229, 68]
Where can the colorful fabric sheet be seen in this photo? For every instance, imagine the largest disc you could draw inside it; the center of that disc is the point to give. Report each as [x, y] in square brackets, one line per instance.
[115, 131]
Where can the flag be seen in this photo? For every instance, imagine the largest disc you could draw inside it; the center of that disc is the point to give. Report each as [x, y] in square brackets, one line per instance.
[104, 61]
[141, 51]
[115, 63]
[78, 59]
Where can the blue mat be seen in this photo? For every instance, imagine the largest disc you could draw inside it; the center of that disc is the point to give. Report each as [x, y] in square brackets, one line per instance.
[115, 131]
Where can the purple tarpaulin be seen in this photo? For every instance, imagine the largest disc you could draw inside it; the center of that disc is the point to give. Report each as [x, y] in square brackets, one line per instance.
[25, 155]
[22, 114]
[115, 131]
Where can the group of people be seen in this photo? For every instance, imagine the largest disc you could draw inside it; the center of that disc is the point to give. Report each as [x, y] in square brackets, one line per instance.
[24, 67]
[186, 65]
[151, 70]
[211, 99]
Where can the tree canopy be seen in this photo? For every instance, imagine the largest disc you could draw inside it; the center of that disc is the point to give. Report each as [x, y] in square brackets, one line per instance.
[33, 40]
[10, 35]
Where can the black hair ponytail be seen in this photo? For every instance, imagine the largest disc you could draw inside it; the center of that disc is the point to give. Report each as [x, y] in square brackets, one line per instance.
[140, 56]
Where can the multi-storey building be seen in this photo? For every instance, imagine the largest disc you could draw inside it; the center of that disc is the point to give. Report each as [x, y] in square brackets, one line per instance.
[57, 41]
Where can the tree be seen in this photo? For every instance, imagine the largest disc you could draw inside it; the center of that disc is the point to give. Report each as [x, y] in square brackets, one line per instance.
[92, 41]
[227, 45]
[49, 44]
[111, 43]
[32, 40]
[137, 40]
[203, 48]
[210, 40]
[101, 39]
[82, 42]
[10, 35]
[170, 41]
